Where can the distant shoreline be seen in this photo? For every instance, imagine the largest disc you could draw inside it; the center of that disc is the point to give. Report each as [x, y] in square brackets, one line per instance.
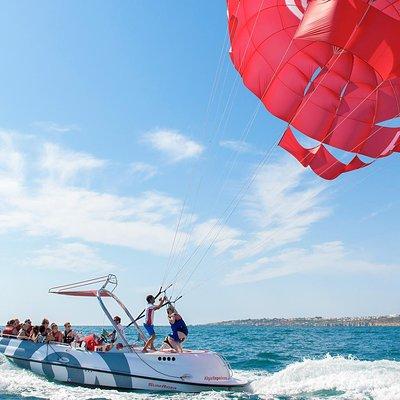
[385, 320]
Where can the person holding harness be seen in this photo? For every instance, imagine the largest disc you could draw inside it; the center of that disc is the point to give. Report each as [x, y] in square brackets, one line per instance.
[179, 330]
[149, 320]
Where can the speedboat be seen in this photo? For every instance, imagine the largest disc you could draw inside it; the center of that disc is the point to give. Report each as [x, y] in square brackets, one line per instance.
[120, 365]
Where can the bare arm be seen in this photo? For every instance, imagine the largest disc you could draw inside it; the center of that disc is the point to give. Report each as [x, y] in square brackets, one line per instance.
[161, 303]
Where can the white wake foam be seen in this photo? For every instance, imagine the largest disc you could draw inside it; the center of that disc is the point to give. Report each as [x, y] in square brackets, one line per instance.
[333, 378]
[23, 383]
[330, 378]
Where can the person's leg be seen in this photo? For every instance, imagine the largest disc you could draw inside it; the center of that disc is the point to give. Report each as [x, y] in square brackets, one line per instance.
[149, 343]
[150, 340]
[182, 338]
[173, 344]
[153, 337]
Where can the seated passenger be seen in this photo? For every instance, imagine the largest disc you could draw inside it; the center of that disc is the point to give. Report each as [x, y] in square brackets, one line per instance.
[23, 332]
[91, 342]
[34, 335]
[54, 335]
[69, 334]
[16, 327]
[42, 334]
[45, 323]
[8, 330]
[179, 330]
[29, 323]
[114, 334]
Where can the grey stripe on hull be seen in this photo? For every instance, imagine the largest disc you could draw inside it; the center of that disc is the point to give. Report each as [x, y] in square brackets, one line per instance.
[117, 362]
[25, 350]
[135, 381]
[75, 375]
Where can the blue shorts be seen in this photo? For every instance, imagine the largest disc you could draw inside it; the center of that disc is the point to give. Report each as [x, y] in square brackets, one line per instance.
[176, 337]
[149, 329]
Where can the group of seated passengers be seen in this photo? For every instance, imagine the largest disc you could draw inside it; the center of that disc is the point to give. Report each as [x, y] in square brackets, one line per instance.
[43, 333]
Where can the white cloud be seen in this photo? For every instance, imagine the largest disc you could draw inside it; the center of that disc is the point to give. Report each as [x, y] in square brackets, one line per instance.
[143, 223]
[225, 237]
[64, 164]
[74, 257]
[54, 127]
[327, 257]
[378, 212]
[54, 207]
[282, 205]
[143, 171]
[11, 166]
[239, 146]
[174, 145]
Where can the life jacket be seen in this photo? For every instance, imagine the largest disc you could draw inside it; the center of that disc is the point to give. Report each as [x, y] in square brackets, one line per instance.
[58, 337]
[8, 330]
[91, 342]
[68, 339]
[179, 325]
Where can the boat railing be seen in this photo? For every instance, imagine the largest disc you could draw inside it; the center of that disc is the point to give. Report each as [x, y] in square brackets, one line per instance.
[226, 362]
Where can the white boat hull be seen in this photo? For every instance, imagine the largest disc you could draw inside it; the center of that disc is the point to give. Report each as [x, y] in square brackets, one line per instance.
[191, 371]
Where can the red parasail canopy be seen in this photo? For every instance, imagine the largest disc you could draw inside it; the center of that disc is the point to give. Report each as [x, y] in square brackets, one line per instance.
[83, 293]
[330, 68]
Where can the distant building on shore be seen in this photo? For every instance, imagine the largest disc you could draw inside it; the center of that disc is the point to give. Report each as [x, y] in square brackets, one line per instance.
[385, 320]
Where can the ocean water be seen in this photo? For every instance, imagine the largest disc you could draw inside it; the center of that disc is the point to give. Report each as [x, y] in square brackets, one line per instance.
[283, 363]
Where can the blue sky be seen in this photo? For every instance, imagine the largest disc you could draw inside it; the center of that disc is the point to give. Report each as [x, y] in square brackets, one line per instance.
[114, 118]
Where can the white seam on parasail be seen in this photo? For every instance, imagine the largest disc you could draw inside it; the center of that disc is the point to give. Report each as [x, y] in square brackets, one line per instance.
[293, 6]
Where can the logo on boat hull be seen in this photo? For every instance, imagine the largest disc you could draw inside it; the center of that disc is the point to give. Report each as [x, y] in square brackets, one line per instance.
[161, 386]
[216, 378]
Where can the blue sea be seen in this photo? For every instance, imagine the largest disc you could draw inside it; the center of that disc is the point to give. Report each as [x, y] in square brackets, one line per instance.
[283, 363]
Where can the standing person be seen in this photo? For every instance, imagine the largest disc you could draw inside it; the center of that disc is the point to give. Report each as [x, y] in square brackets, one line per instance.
[149, 324]
[179, 329]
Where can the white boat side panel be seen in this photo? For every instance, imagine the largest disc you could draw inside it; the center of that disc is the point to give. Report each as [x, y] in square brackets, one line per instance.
[60, 373]
[12, 347]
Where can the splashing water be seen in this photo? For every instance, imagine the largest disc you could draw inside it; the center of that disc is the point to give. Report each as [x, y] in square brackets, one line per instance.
[282, 363]
[330, 377]
[333, 377]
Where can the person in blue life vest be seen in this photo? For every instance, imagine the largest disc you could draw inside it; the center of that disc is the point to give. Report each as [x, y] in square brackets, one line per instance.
[179, 330]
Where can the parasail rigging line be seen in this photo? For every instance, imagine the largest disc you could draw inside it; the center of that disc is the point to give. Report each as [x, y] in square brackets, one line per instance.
[212, 137]
[329, 167]
[142, 313]
[234, 203]
[210, 101]
[221, 267]
[261, 245]
[319, 83]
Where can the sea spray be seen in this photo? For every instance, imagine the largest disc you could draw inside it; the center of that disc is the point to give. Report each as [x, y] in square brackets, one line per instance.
[20, 383]
[333, 377]
[283, 364]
